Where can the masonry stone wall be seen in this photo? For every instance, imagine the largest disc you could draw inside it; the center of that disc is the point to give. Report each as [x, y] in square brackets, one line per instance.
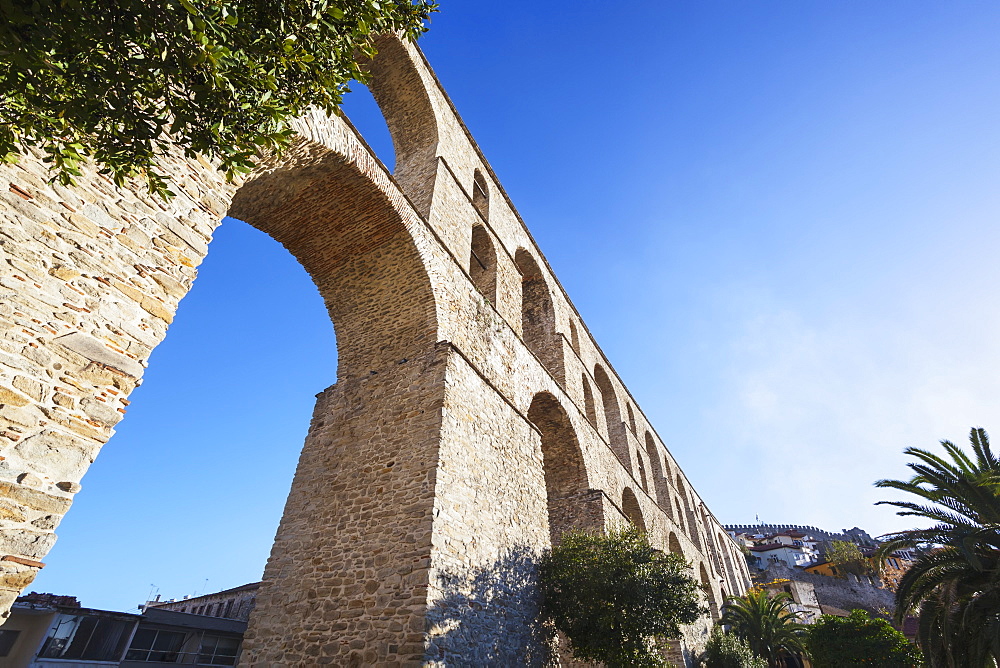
[470, 423]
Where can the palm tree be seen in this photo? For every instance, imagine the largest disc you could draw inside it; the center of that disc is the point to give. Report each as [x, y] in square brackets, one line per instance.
[766, 623]
[955, 584]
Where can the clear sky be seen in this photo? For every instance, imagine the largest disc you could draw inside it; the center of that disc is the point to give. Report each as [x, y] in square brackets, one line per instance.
[779, 220]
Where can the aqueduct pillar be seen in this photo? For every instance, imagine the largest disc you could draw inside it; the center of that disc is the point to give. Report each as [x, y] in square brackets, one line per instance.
[463, 424]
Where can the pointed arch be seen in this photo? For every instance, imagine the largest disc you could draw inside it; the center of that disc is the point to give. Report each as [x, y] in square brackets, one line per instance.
[631, 416]
[562, 463]
[642, 472]
[713, 604]
[656, 471]
[483, 263]
[667, 470]
[674, 545]
[617, 437]
[481, 194]
[724, 547]
[630, 506]
[538, 318]
[588, 401]
[680, 514]
[574, 337]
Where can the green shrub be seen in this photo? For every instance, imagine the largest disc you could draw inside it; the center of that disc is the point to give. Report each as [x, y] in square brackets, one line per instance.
[859, 639]
[614, 596]
[727, 650]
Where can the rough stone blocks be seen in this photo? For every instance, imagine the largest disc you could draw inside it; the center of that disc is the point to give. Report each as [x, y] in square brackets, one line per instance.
[473, 420]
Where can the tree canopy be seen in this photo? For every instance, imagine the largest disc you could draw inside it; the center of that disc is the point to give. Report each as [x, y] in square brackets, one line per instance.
[614, 595]
[121, 82]
[859, 639]
[955, 585]
[766, 623]
[847, 558]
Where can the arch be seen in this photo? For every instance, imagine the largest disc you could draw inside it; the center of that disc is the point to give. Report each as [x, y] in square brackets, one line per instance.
[355, 245]
[656, 471]
[713, 604]
[483, 263]
[588, 401]
[617, 437]
[674, 545]
[574, 337]
[724, 547]
[538, 318]
[631, 417]
[402, 96]
[339, 215]
[680, 514]
[630, 506]
[481, 194]
[689, 515]
[562, 463]
[642, 472]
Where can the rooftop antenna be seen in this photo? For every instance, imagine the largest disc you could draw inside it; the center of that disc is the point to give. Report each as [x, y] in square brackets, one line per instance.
[204, 587]
[152, 589]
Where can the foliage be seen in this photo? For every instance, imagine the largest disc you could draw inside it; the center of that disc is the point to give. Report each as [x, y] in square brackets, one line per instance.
[955, 585]
[848, 558]
[859, 639]
[728, 650]
[614, 596]
[109, 81]
[766, 623]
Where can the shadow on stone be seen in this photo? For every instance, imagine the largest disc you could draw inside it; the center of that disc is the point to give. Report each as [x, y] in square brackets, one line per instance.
[489, 616]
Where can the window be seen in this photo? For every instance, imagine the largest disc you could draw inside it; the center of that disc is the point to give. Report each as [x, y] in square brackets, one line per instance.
[155, 645]
[229, 608]
[87, 637]
[218, 651]
[7, 640]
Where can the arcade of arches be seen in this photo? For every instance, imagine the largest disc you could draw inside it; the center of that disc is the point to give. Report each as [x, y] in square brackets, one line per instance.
[473, 416]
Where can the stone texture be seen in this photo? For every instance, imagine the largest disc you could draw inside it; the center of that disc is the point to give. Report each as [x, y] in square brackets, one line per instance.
[473, 417]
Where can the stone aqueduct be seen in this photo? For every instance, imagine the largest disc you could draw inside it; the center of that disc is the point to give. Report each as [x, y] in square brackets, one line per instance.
[472, 419]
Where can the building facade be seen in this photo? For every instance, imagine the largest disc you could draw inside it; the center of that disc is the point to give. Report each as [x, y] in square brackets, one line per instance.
[45, 631]
[235, 603]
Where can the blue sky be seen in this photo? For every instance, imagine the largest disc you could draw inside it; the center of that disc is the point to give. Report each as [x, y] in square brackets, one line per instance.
[779, 220]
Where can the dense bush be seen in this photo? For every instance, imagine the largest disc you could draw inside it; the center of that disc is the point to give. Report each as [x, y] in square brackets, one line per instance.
[727, 650]
[835, 642]
[614, 596]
